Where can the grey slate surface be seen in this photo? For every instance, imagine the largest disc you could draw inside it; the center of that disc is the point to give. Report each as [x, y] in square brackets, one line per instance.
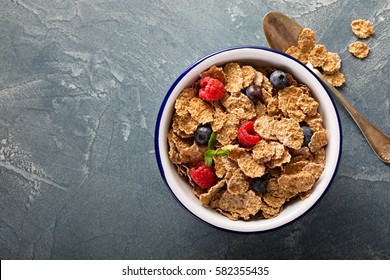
[81, 82]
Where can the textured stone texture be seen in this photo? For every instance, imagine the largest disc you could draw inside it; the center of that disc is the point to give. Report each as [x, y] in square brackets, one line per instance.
[81, 82]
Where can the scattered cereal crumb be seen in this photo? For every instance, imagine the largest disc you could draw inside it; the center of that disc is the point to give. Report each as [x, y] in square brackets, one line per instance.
[362, 28]
[359, 49]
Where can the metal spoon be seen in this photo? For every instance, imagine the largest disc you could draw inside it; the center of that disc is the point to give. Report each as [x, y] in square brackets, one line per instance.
[281, 33]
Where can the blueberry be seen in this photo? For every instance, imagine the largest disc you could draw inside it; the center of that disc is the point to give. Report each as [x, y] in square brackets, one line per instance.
[278, 79]
[260, 184]
[307, 134]
[254, 93]
[202, 135]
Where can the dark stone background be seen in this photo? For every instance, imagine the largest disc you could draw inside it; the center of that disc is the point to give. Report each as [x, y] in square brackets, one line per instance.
[81, 82]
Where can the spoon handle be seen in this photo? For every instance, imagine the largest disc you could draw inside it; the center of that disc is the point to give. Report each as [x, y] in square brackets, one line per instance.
[379, 142]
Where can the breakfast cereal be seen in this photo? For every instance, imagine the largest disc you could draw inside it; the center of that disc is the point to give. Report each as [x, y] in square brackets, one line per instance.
[307, 51]
[362, 28]
[359, 49]
[258, 157]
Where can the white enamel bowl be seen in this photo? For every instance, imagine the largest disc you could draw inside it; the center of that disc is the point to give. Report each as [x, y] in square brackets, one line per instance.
[255, 56]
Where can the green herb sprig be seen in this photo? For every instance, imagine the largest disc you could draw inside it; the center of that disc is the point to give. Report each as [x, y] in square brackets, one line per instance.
[211, 152]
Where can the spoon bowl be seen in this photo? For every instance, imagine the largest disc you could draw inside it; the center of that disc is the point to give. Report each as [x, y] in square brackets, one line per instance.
[281, 33]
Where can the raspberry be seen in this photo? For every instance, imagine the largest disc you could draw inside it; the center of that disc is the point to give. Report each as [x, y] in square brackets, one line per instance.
[204, 176]
[247, 136]
[211, 89]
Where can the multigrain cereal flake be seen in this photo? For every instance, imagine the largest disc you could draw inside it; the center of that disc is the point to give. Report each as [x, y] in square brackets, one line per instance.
[332, 63]
[214, 72]
[337, 79]
[240, 105]
[250, 166]
[307, 51]
[244, 205]
[359, 49]
[205, 198]
[234, 77]
[249, 73]
[238, 183]
[297, 182]
[317, 56]
[362, 28]
[182, 101]
[306, 42]
[200, 110]
[289, 133]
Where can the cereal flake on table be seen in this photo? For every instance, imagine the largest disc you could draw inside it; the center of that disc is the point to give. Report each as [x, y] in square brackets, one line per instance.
[362, 28]
[307, 51]
[359, 49]
[277, 157]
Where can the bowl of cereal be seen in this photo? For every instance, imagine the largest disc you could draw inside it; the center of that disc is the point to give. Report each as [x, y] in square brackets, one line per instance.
[248, 139]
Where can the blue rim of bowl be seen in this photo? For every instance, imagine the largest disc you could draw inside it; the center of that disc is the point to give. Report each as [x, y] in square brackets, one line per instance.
[162, 108]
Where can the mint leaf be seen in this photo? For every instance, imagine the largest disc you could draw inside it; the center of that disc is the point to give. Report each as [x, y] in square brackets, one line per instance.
[209, 153]
[213, 138]
[222, 152]
[208, 161]
[208, 157]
